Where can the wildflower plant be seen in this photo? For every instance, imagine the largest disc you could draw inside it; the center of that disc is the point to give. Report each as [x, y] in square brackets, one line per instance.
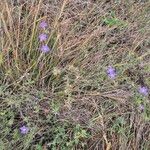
[43, 37]
[72, 84]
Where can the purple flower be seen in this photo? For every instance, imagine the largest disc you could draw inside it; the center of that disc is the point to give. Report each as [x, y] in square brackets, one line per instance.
[24, 130]
[43, 25]
[141, 107]
[43, 37]
[143, 90]
[45, 49]
[111, 72]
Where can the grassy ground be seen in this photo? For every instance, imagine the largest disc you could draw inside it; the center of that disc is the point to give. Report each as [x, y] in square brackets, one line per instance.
[65, 97]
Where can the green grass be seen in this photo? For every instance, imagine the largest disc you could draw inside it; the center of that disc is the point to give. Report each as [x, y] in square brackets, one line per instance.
[65, 97]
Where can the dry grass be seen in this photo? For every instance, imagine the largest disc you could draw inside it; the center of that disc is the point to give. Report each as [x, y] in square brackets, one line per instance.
[65, 96]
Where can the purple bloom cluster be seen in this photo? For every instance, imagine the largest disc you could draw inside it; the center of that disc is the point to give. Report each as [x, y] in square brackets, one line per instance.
[43, 37]
[111, 72]
[24, 130]
[45, 48]
[143, 90]
[141, 107]
[43, 25]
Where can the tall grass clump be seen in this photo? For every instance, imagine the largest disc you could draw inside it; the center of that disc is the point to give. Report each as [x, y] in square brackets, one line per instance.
[74, 75]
